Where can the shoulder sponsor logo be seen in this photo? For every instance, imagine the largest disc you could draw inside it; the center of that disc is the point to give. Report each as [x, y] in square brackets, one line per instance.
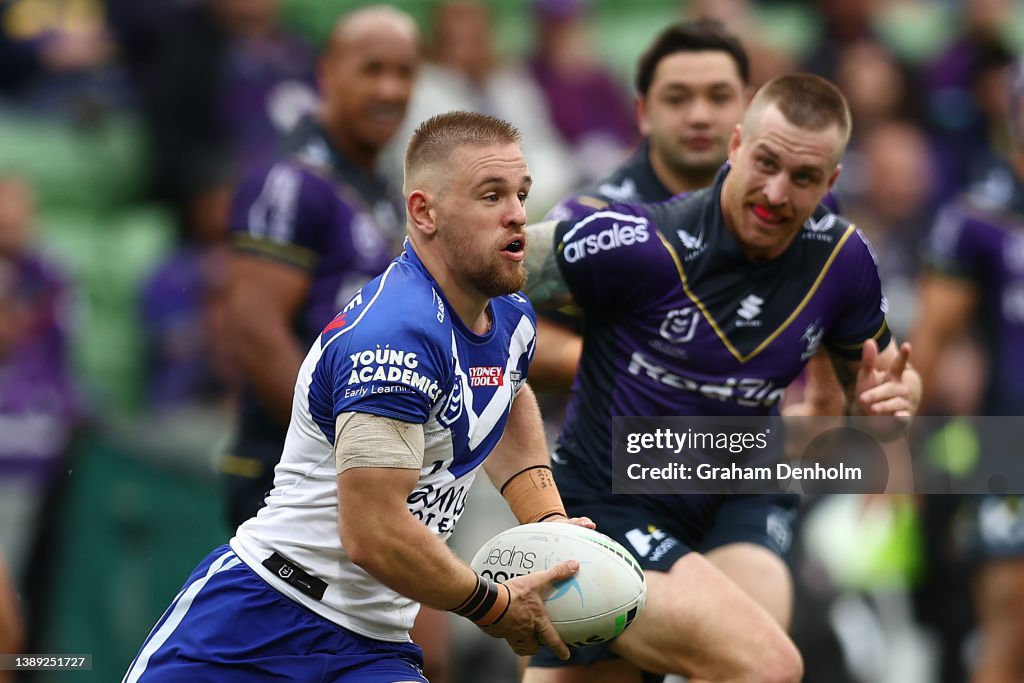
[486, 376]
[388, 370]
[618, 235]
[749, 309]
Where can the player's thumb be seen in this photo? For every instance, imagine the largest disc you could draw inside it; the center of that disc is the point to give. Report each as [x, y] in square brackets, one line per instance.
[561, 571]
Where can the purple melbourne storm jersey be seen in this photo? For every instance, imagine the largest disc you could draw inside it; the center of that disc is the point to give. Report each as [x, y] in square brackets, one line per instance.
[677, 321]
[317, 212]
[396, 350]
[980, 237]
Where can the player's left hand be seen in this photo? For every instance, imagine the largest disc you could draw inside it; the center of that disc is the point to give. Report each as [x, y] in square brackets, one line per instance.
[882, 392]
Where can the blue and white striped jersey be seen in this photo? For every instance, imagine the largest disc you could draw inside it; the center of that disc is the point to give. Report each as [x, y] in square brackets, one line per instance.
[396, 350]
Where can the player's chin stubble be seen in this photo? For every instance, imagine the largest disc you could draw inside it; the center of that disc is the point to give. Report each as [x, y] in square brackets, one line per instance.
[499, 279]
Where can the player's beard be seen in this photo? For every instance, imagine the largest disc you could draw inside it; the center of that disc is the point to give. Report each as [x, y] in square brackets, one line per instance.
[487, 272]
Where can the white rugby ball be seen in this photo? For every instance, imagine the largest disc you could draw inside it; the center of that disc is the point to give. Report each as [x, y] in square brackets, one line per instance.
[596, 604]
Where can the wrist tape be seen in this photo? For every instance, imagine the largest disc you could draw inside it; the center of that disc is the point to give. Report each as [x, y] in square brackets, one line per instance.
[532, 495]
[487, 604]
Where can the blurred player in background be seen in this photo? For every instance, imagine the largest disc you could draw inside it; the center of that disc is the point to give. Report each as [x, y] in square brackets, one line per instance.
[387, 434]
[691, 88]
[975, 262]
[309, 230]
[711, 304]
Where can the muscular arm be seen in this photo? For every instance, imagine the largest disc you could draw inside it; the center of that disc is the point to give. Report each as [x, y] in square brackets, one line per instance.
[402, 553]
[945, 306]
[554, 365]
[396, 548]
[545, 286]
[263, 298]
[558, 349]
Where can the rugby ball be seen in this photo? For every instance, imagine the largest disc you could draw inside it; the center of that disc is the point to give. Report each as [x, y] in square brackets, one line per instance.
[595, 605]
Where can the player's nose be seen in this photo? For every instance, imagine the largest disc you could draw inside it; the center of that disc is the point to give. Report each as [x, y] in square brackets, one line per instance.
[775, 190]
[515, 217]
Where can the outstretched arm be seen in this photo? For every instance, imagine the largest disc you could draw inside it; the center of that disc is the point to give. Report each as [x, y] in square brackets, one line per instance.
[882, 384]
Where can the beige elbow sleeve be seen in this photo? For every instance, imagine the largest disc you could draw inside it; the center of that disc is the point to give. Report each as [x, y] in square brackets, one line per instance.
[363, 440]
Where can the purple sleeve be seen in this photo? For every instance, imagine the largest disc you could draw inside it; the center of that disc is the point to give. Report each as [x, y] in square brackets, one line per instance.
[575, 207]
[862, 312]
[284, 213]
[958, 245]
[602, 255]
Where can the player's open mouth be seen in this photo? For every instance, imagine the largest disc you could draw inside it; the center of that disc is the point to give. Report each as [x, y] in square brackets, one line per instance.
[515, 250]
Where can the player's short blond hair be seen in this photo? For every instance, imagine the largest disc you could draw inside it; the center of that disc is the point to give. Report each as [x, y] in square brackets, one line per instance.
[437, 138]
[806, 101]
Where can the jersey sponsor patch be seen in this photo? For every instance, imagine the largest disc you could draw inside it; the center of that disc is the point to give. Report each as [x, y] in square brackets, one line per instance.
[487, 376]
[618, 235]
[391, 366]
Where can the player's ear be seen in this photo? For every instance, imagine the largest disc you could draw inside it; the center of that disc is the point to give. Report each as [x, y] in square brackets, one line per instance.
[640, 107]
[421, 215]
[734, 142]
[835, 176]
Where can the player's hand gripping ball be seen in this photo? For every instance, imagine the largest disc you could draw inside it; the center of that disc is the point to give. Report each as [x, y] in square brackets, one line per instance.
[596, 604]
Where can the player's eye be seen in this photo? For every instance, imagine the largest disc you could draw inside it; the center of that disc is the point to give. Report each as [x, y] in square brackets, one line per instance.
[491, 197]
[766, 164]
[522, 197]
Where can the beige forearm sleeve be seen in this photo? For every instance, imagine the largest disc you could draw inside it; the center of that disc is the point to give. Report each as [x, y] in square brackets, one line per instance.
[364, 440]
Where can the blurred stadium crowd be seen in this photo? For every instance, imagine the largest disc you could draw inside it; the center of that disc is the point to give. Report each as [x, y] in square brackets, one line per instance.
[124, 126]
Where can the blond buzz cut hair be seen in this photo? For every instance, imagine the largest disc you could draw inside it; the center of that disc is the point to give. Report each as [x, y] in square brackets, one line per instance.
[435, 140]
[806, 101]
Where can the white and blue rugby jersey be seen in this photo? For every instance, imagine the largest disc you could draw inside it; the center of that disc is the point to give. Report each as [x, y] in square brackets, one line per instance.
[396, 350]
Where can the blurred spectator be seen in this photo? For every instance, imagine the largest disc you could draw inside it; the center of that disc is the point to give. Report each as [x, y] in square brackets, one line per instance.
[964, 93]
[466, 73]
[843, 23]
[56, 54]
[975, 276]
[310, 229]
[878, 86]
[39, 406]
[183, 315]
[893, 207]
[766, 61]
[573, 82]
[226, 86]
